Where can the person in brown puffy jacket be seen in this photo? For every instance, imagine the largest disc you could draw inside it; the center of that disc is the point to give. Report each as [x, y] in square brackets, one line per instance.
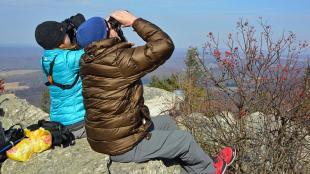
[117, 121]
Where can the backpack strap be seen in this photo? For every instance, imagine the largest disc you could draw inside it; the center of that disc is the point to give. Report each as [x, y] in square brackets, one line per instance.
[50, 80]
[11, 137]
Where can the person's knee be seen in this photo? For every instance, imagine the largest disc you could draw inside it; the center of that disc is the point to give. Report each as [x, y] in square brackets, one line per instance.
[185, 143]
[186, 138]
[171, 122]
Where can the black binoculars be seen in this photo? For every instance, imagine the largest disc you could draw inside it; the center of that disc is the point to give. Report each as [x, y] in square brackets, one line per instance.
[71, 25]
[117, 26]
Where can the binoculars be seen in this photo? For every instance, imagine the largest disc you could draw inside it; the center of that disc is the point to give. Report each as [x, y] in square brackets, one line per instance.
[116, 25]
[71, 25]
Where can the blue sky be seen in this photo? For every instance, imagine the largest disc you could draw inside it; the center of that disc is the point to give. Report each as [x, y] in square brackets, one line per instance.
[186, 21]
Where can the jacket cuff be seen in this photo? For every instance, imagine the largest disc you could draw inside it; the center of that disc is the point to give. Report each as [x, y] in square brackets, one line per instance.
[136, 23]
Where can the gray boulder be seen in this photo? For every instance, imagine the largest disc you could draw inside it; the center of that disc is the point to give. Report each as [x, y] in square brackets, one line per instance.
[80, 159]
[158, 100]
[19, 111]
[77, 159]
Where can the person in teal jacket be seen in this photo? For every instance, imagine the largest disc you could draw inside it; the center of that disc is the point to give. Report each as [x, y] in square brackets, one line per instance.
[61, 66]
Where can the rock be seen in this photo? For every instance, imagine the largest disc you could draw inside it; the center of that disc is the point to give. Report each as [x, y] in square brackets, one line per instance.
[253, 122]
[151, 167]
[223, 120]
[158, 100]
[80, 158]
[19, 111]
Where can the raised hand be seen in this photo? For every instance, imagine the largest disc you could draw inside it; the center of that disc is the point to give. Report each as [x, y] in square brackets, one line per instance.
[124, 17]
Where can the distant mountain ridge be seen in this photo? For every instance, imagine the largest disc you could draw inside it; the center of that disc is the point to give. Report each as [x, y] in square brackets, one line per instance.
[16, 58]
[22, 65]
[27, 57]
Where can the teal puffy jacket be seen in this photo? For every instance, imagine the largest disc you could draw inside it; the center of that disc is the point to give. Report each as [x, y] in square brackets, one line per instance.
[67, 106]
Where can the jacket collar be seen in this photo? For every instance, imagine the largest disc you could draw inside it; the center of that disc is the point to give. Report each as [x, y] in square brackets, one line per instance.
[103, 47]
[105, 43]
[49, 53]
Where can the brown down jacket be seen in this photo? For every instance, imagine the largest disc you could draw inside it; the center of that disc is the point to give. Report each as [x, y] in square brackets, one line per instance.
[111, 70]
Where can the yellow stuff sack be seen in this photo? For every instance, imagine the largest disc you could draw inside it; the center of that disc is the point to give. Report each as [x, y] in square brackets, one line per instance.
[37, 141]
[41, 139]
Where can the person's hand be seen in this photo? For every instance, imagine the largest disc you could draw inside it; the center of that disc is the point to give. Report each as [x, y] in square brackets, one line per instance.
[124, 17]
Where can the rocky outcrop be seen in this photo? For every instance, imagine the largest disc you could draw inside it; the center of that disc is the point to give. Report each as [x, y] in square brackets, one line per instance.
[77, 159]
[18, 110]
[80, 159]
[158, 100]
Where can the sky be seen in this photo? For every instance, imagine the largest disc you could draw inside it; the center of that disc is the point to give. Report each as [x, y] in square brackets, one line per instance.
[187, 21]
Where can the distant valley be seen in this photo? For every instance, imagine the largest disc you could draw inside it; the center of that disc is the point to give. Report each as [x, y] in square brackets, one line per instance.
[20, 68]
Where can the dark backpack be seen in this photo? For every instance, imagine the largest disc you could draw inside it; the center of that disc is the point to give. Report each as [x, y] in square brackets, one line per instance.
[61, 136]
[10, 137]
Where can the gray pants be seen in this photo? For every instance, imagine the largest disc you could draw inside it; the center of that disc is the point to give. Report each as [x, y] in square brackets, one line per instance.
[77, 129]
[168, 143]
[81, 133]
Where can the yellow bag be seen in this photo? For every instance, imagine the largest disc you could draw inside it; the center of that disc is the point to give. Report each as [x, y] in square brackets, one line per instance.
[41, 139]
[37, 141]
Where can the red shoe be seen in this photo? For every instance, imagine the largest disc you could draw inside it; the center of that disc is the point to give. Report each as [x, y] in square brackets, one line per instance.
[224, 159]
[220, 166]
